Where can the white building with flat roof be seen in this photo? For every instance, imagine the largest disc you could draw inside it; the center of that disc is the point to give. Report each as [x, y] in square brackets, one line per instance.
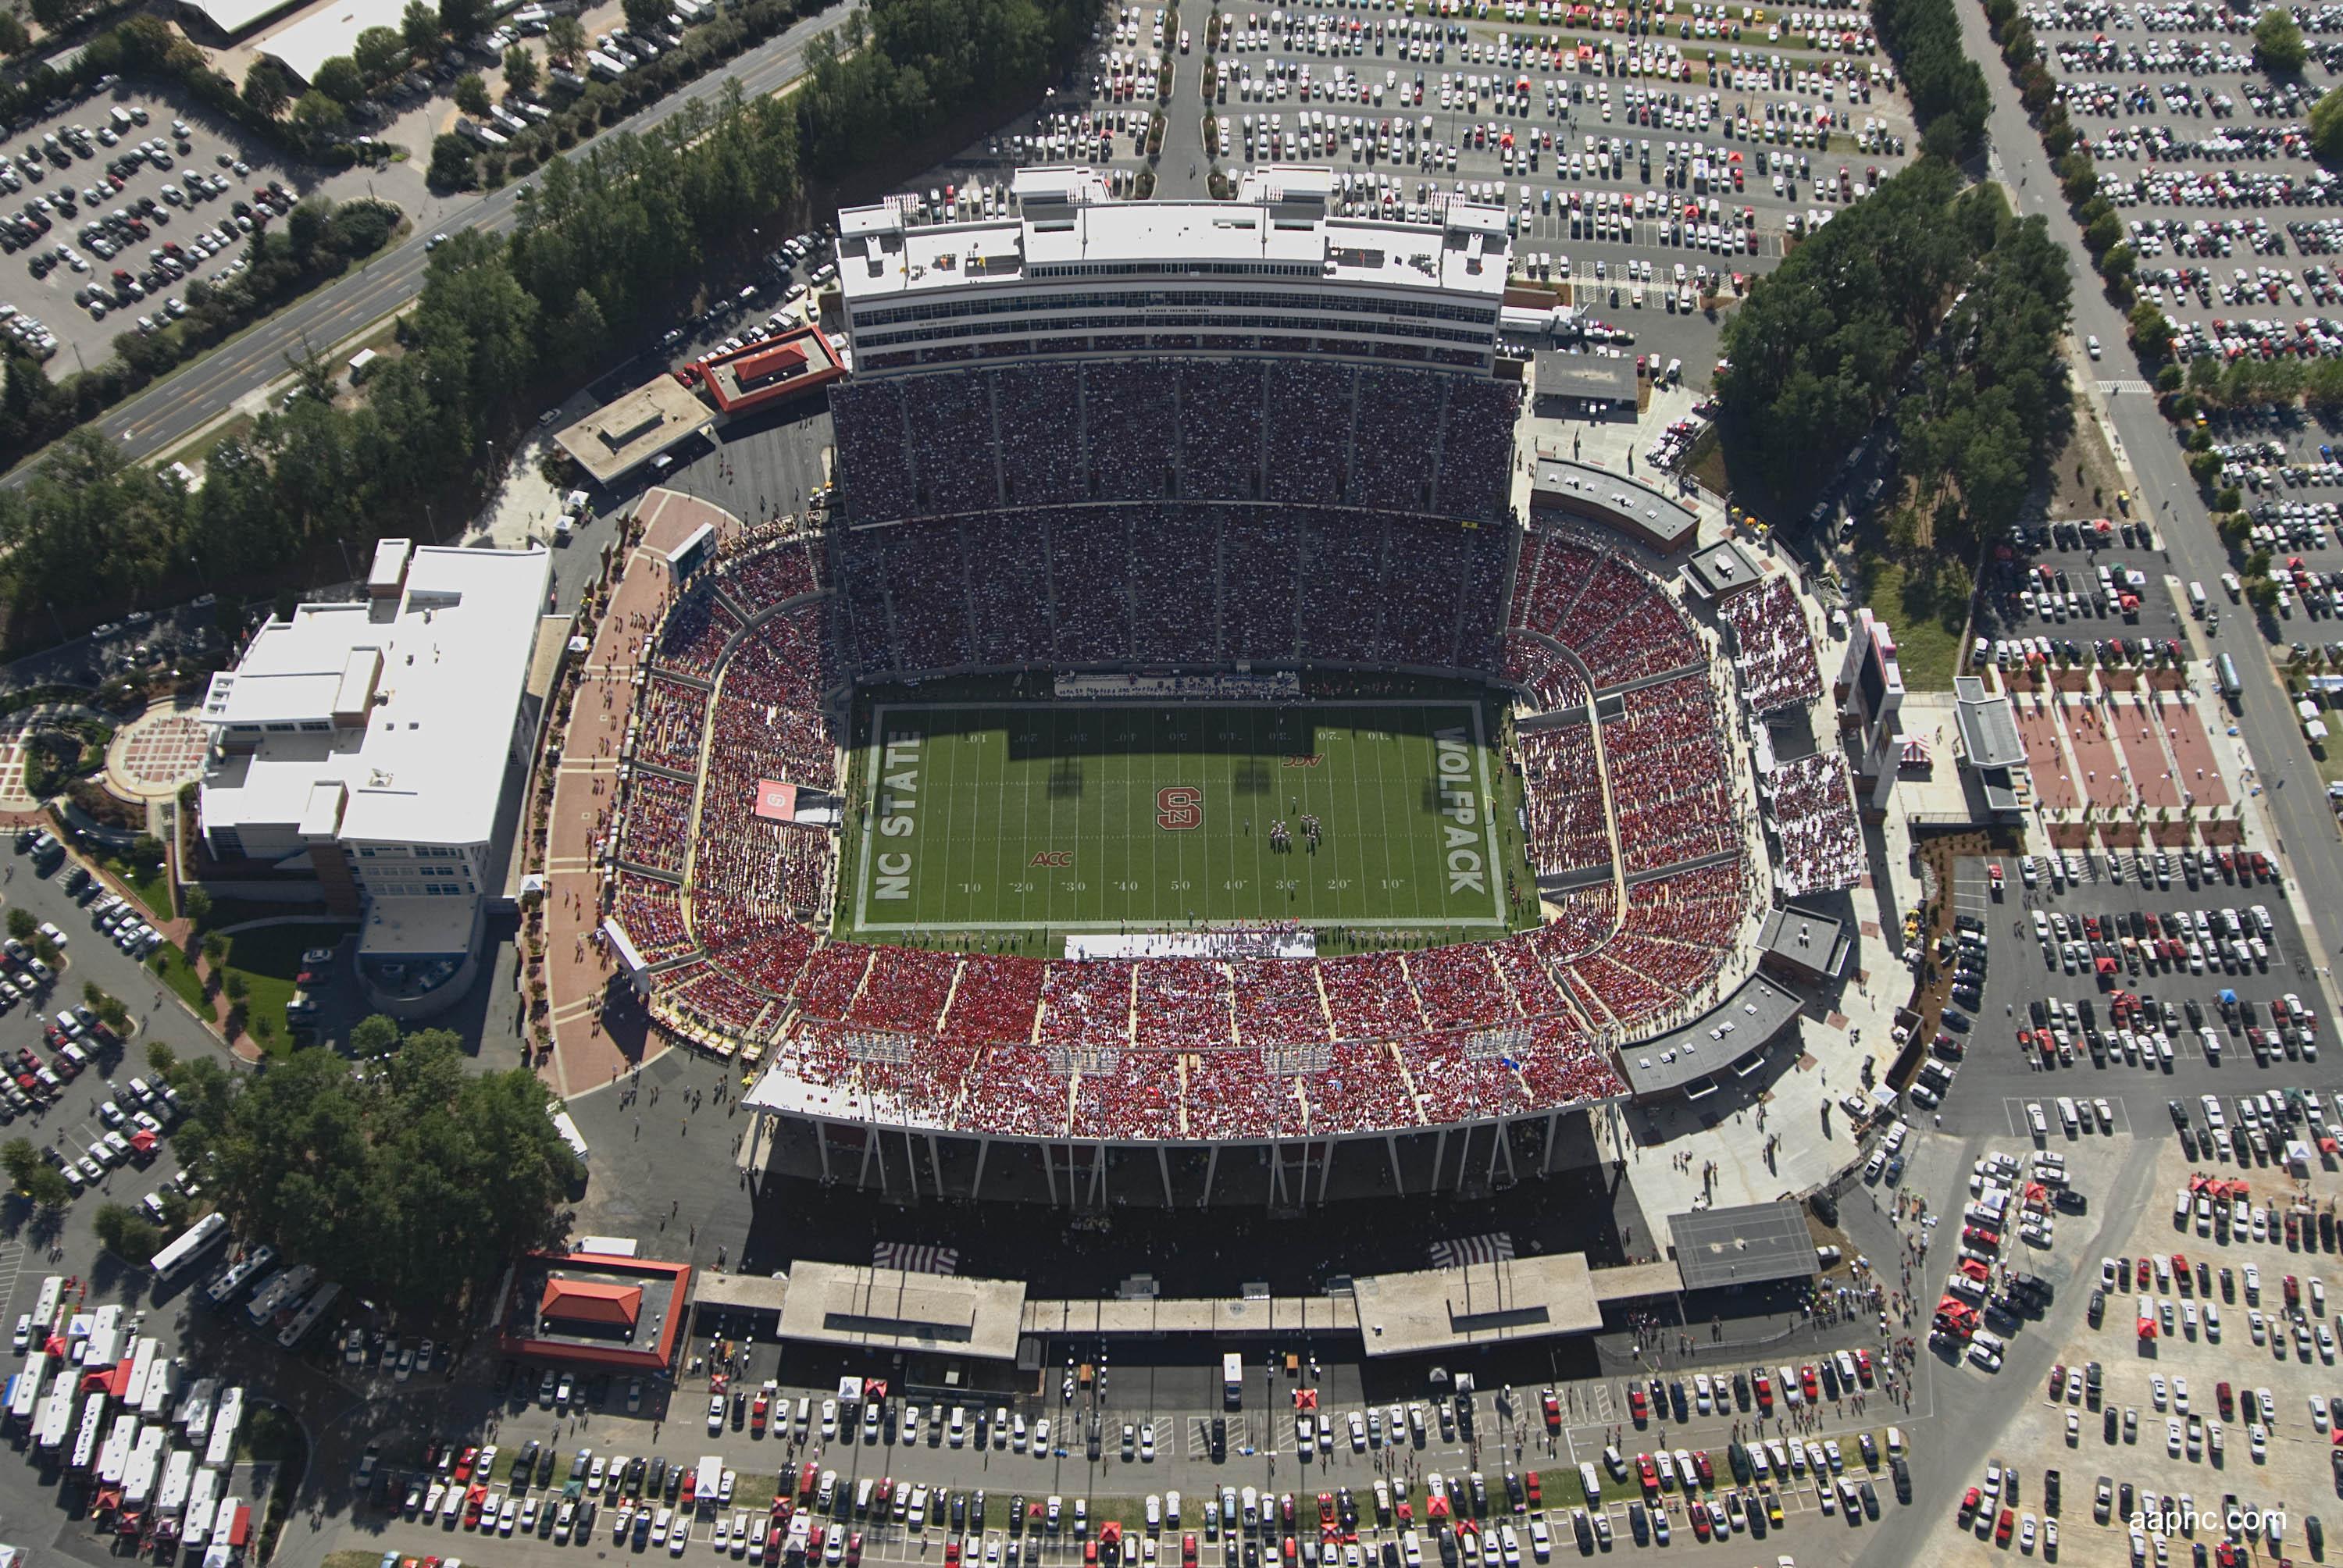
[1076, 272]
[368, 745]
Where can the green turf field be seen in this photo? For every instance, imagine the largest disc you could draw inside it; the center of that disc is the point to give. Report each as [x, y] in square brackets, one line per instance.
[1022, 817]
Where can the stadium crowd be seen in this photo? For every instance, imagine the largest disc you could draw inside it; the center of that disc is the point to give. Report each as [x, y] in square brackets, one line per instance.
[1774, 648]
[1811, 803]
[1181, 583]
[1150, 429]
[1561, 793]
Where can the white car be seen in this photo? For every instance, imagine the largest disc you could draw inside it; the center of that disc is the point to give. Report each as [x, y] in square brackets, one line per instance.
[716, 1415]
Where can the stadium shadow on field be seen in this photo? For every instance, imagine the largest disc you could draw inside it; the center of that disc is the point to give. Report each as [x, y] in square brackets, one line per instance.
[1066, 779]
[1250, 777]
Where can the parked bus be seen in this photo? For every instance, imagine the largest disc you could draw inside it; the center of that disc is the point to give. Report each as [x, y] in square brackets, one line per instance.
[570, 1135]
[219, 1453]
[2227, 667]
[90, 1432]
[252, 1266]
[202, 1236]
[45, 1310]
[280, 1293]
[307, 1318]
[26, 1398]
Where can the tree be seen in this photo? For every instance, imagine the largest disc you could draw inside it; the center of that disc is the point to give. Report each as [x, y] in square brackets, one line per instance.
[14, 38]
[380, 53]
[418, 1185]
[126, 1232]
[420, 25]
[462, 18]
[565, 40]
[472, 94]
[195, 903]
[2151, 330]
[161, 1058]
[23, 924]
[374, 1035]
[2277, 42]
[520, 69]
[340, 79]
[58, 14]
[451, 161]
[266, 90]
[319, 114]
[20, 1159]
[2326, 127]
[2263, 593]
[46, 1186]
[644, 14]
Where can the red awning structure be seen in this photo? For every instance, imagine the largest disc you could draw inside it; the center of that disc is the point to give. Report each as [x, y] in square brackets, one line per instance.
[143, 1141]
[605, 1305]
[1306, 1399]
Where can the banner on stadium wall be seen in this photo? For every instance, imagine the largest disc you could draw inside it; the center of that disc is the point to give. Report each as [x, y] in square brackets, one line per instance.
[776, 802]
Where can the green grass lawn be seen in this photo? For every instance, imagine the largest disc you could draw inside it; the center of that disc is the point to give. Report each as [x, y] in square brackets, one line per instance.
[152, 889]
[1927, 647]
[174, 970]
[268, 958]
[1010, 818]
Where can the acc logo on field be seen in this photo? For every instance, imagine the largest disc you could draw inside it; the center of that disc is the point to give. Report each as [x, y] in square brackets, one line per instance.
[1052, 857]
[1179, 806]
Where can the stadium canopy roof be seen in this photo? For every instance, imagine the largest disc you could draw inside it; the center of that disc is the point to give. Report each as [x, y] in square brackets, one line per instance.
[1721, 1039]
[1754, 1244]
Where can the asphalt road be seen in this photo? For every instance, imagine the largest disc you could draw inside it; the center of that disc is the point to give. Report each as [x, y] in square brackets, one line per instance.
[164, 415]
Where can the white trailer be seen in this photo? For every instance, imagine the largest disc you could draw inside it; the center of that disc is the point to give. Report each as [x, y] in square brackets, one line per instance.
[29, 1389]
[179, 1476]
[145, 1466]
[142, 1369]
[55, 1422]
[194, 1412]
[162, 1384]
[201, 1496]
[105, 1337]
[221, 1453]
[114, 1457]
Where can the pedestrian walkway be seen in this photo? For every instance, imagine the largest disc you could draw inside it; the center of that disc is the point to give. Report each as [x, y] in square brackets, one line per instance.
[581, 831]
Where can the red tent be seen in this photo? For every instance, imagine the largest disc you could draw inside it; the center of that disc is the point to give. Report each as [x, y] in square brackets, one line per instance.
[1306, 1399]
[143, 1141]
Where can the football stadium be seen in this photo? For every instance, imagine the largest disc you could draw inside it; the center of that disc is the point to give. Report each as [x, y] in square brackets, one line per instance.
[1182, 736]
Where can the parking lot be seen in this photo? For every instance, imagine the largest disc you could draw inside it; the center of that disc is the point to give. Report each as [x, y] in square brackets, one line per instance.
[111, 208]
[1649, 174]
[2137, 1426]
[2207, 163]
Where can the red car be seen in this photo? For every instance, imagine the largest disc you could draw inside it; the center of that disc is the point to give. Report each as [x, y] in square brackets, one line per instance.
[1637, 1406]
[756, 1416]
[1969, 1502]
[1806, 1381]
[1553, 1411]
[1708, 1476]
[1700, 1523]
[2057, 1381]
[1530, 1484]
[2147, 1273]
[2001, 1531]
[1863, 1366]
[464, 1464]
[952, 1554]
[806, 1477]
[2227, 1400]
[1188, 1550]
[1765, 1386]
[1648, 1473]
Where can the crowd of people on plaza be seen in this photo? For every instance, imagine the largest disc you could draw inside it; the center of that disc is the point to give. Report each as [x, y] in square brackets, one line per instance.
[1774, 648]
[1303, 432]
[1812, 804]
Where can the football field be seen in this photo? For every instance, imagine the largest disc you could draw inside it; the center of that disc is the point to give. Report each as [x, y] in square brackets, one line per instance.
[1029, 816]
